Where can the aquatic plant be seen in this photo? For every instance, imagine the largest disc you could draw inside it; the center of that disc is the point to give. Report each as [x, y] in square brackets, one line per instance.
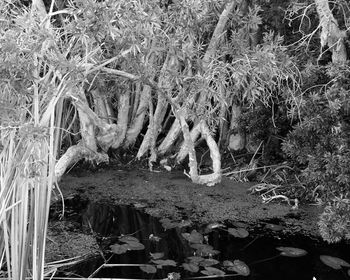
[334, 222]
[334, 262]
[126, 243]
[291, 252]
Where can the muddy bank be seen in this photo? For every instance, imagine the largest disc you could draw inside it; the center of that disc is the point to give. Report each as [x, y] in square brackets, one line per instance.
[171, 195]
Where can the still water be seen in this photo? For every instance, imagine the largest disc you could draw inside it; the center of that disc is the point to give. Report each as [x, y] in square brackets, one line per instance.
[257, 250]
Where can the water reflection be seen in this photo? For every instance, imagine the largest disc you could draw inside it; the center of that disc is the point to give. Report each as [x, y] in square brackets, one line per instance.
[258, 250]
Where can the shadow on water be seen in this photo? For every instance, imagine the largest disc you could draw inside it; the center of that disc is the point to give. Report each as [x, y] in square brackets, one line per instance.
[258, 250]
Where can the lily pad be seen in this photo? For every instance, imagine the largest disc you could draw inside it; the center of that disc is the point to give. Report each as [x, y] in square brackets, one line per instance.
[156, 256]
[291, 252]
[209, 262]
[164, 262]
[135, 245]
[274, 227]
[193, 237]
[168, 224]
[191, 267]
[184, 223]
[334, 262]
[119, 249]
[227, 263]
[154, 238]
[211, 271]
[195, 259]
[214, 225]
[148, 268]
[205, 250]
[128, 238]
[238, 232]
[240, 267]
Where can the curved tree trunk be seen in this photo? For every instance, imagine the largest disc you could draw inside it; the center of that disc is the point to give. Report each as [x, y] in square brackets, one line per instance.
[88, 147]
[208, 179]
[194, 134]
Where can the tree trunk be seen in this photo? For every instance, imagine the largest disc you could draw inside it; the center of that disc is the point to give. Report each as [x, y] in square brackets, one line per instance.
[331, 36]
[138, 120]
[237, 140]
[107, 135]
[102, 106]
[137, 123]
[209, 54]
[208, 179]
[161, 108]
[194, 134]
[123, 117]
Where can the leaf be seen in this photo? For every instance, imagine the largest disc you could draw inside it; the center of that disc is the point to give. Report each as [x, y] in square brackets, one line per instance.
[135, 245]
[168, 224]
[274, 227]
[238, 232]
[209, 262]
[156, 256]
[227, 263]
[291, 252]
[148, 268]
[164, 262]
[214, 225]
[127, 238]
[119, 249]
[210, 271]
[334, 262]
[201, 246]
[240, 267]
[154, 238]
[184, 223]
[191, 267]
[193, 237]
[205, 250]
[195, 259]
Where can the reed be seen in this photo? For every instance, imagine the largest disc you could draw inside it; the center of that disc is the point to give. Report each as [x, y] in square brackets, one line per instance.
[30, 106]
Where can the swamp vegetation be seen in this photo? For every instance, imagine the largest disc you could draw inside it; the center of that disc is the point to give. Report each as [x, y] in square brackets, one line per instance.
[246, 90]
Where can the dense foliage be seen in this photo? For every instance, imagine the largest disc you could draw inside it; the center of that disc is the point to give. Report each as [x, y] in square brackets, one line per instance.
[319, 142]
[152, 77]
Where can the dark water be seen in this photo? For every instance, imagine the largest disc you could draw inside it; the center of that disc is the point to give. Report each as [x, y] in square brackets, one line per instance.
[258, 250]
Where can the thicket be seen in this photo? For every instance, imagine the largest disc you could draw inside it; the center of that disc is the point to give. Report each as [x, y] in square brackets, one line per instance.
[87, 78]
